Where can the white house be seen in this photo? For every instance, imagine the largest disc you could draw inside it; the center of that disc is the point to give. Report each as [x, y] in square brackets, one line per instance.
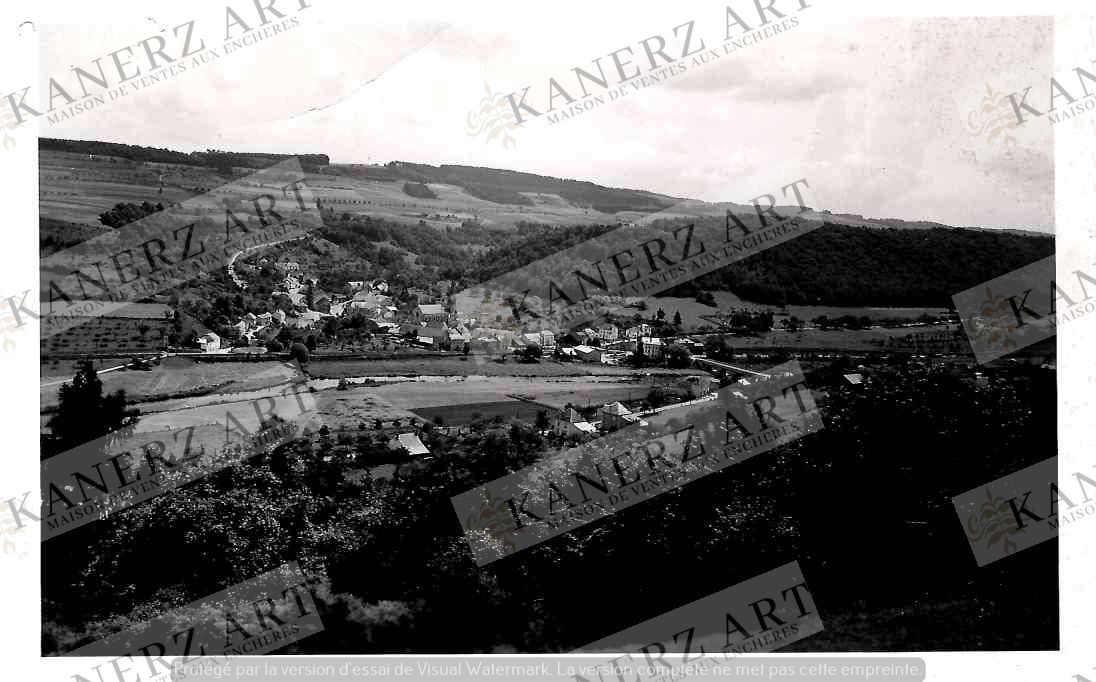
[652, 347]
[608, 333]
[305, 320]
[209, 342]
[409, 443]
[638, 331]
[457, 338]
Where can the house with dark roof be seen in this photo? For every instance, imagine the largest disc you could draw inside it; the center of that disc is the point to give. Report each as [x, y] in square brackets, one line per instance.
[570, 423]
[613, 416]
[432, 314]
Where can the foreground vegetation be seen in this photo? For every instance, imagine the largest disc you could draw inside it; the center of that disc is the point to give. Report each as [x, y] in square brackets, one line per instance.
[861, 505]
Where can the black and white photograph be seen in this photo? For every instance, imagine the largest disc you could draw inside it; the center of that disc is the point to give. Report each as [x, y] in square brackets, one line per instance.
[558, 342]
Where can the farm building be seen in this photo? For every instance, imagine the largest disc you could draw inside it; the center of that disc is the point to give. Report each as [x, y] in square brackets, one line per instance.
[588, 353]
[209, 342]
[613, 416]
[431, 314]
[571, 423]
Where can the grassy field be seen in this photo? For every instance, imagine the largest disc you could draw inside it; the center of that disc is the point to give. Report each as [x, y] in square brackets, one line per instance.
[173, 375]
[463, 414]
[457, 399]
[413, 395]
[691, 310]
[466, 366]
[347, 409]
[596, 396]
[848, 340]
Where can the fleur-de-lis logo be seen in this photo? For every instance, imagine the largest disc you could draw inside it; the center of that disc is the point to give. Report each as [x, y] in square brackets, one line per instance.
[994, 119]
[492, 525]
[7, 122]
[495, 117]
[13, 543]
[994, 524]
[8, 327]
[995, 323]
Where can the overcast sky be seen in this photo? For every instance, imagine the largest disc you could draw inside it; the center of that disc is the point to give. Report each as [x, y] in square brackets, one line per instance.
[865, 110]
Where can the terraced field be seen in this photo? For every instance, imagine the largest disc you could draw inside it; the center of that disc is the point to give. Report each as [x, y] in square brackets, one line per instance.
[78, 187]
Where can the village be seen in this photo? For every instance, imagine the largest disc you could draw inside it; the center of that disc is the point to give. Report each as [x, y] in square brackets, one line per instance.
[368, 315]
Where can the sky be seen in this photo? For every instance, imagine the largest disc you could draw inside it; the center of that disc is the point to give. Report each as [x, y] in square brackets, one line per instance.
[876, 113]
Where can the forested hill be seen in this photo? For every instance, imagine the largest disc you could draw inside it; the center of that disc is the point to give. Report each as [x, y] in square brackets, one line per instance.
[211, 158]
[506, 186]
[833, 265]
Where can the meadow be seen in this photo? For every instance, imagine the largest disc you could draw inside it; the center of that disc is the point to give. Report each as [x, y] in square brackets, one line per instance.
[691, 310]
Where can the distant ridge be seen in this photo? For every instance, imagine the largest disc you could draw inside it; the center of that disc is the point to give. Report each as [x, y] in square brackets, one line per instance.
[498, 186]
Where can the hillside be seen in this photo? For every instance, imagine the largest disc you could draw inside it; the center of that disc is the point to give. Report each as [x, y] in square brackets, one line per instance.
[423, 223]
[505, 186]
[836, 265]
[211, 158]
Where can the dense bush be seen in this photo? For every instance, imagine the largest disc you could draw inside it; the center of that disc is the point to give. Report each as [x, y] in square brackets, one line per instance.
[498, 195]
[125, 213]
[418, 190]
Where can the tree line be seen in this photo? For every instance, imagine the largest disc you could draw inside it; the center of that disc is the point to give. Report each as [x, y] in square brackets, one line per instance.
[832, 265]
